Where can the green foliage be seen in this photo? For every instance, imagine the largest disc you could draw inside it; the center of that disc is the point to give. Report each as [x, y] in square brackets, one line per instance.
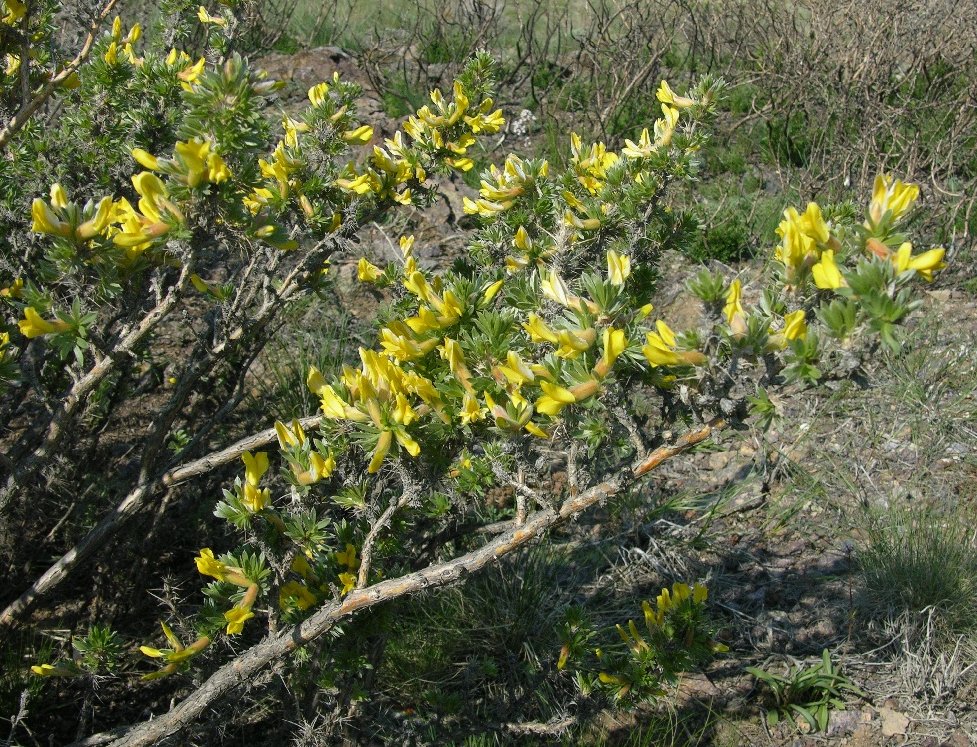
[806, 693]
[918, 560]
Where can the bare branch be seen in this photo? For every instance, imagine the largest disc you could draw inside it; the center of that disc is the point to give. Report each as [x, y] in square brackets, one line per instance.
[366, 552]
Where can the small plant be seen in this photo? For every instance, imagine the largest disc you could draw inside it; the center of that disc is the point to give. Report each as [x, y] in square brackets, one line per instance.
[916, 561]
[807, 693]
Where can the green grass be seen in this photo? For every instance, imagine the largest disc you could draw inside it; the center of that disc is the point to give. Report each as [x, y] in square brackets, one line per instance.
[311, 337]
[919, 559]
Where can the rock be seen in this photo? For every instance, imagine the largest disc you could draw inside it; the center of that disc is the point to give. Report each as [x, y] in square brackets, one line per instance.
[893, 722]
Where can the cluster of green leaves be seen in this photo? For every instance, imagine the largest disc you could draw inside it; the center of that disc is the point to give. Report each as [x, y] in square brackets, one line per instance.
[806, 693]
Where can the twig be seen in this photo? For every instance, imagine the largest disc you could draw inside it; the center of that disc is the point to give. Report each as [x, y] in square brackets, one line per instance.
[244, 667]
[366, 552]
[21, 118]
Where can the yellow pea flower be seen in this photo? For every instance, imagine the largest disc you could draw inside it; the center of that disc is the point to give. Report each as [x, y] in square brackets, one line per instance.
[925, 264]
[667, 96]
[517, 371]
[32, 325]
[795, 326]
[15, 11]
[206, 18]
[255, 499]
[98, 223]
[539, 331]
[733, 305]
[471, 411]
[14, 290]
[289, 436]
[348, 581]
[321, 468]
[47, 221]
[255, 466]
[571, 343]
[642, 149]
[380, 451]
[555, 289]
[208, 565]
[360, 136]
[296, 592]
[347, 557]
[367, 272]
[191, 74]
[665, 127]
[491, 291]
[659, 348]
[236, 617]
[826, 274]
[554, 399]
[361, 185]
[890, 195]
[618, 267]
[615, 343]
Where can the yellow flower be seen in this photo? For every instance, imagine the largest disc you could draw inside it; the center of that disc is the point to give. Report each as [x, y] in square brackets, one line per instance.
[205, 17]
[47, 221]
[98, 223]
[348, 581]
[925, 264]
[665, 127]
[319, 467]
[667, 96]
[826, 274]
[642, 149]
[236, 617]
[471, 411]
[659, 348]
[804, 236]
[255, 466]
[615, 343]
[733, 305]
[318, 94]
[618, 267]
[191, 74]
[68, 669]
[380, 452]
[360, 136]
[208, 565]
[554, 399]
[111, 55]
[255, 499]
[14, 290]
[15, 11]
[890, 196]
[491, 291]
[297, 593]
[348, 557]
[367, 272]
[32, 325]
[795, 326]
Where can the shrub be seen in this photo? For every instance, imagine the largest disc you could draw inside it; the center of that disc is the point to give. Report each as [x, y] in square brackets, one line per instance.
[530, 354]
